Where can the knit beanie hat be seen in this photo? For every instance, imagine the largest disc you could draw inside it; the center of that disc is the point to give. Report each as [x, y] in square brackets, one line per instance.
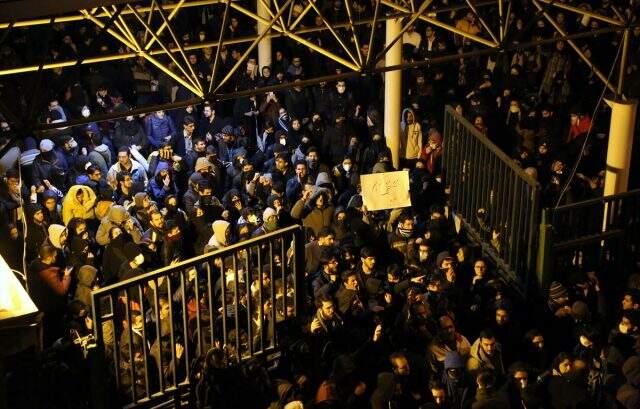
[268, 212]
[557, 291]
[46, 145]
[202, 164]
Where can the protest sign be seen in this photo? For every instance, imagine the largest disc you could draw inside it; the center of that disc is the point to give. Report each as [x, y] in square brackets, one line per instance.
[387, 190]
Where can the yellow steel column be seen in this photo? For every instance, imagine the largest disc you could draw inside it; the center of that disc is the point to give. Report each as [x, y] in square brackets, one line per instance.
[393, 91]
[264, 47]
[623, 120]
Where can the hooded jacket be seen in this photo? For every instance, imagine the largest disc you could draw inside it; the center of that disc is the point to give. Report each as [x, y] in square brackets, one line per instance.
[311, 216]
[55, 232]
[157, 129]
[157, 189]
[117, 216]
[411, 141]
[71, 207]
[86, 276]
[219, 238]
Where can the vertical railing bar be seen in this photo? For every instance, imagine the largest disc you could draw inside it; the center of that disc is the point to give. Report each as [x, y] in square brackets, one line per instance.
[236, 302]
[172, 339]
[156, 298]
[262, 320]
[130, 330]
[116, 343]
[283, 269]
[272, 295]
[211, 295]
[185, 329]
[248, 296]
[200, 337]
[145, 342]
[223, 285]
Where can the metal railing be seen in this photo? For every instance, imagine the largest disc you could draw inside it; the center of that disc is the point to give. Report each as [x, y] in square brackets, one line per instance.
[153, 326]
[593, 235]
[496, 200]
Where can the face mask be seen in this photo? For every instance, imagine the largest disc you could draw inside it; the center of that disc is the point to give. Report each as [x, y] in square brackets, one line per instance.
[284, 117]
[283, 141]
[189, 109]
[405, 232]
[347, 168]
[514, 110]
[86, 112]
[424, 255]
[253, 219]
[129, 118]
[271, 224]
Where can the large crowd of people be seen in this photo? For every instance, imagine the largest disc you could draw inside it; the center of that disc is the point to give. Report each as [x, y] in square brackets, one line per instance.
[401, 311]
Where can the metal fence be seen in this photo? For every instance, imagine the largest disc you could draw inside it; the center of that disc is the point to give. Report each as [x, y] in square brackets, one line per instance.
[152, 327]
[497, 202]
[601, 234]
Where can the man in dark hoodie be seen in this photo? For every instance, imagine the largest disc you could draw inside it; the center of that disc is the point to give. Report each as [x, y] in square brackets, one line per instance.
[460, 387]
[134, 260]
[36, 230]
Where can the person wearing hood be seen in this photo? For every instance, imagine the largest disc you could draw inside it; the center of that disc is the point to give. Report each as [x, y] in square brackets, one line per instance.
[459, 384]
[118, 217]
[99, 154]
[78, 202]
[86, 275]
[411, 138]
[221, 236]
[162, 184]
[432, 153]
[57, 236]
[36, 233]
[447, 340]
[141, 208]
[134, 259]
[372, 153]
[269, 222]
[67, 152]
[80, 252]
[314, 209]
[628, 395]
[128, 132]
[113, 255]
[346, 177]
[488, 395]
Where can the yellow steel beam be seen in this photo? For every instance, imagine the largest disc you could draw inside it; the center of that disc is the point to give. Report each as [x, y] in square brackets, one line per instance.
[100, 24]
[164, 47]
[251, 47]
[80, 17]
[573, 45]
[484, 24]
[337, 37]
[442, 25]
[353, 31]
[179, 45]
[589, 13]
[300, 17]
[165, 24]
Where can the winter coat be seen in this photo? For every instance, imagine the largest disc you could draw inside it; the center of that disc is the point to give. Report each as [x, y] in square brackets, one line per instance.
[478, 360]
[46, 166]
[138, 174]
[411, 140]
[117, 216]
[129, 133]
[86, 277]
[71, 207]
[219, 238]
[101, 157]
[157, 190]
[158, 129]
[311, 216]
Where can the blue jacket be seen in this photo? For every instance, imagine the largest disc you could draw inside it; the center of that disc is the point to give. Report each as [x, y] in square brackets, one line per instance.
[157, 129]
[157, 189]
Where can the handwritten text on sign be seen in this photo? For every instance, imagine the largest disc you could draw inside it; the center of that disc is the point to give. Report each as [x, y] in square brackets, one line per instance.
[387, 190]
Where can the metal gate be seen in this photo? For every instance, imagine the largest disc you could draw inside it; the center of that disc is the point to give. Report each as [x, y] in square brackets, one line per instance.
[601, 234]
[496, 201]
[152, 327]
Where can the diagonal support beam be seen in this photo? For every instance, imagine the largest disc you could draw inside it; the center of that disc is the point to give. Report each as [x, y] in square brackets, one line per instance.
[165, 24]
[335, 35]
[578, 10]
[353, 30]
[164, 47]
[484, 23]
[442, 25]
[395, 39]
[100, 24]
[219, 47]
[180, 48]
[253, 45]
[577, 49]
[374, 22]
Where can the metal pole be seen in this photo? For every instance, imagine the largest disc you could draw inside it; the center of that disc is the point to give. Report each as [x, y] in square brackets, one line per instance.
[165, 24]
[393, 91]
[623, 62]
[588, 13]
[621, 133]
[484, 24]
[373, 31]
[219, 47]
[264, 47]
[356, 42]
[335, 35]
